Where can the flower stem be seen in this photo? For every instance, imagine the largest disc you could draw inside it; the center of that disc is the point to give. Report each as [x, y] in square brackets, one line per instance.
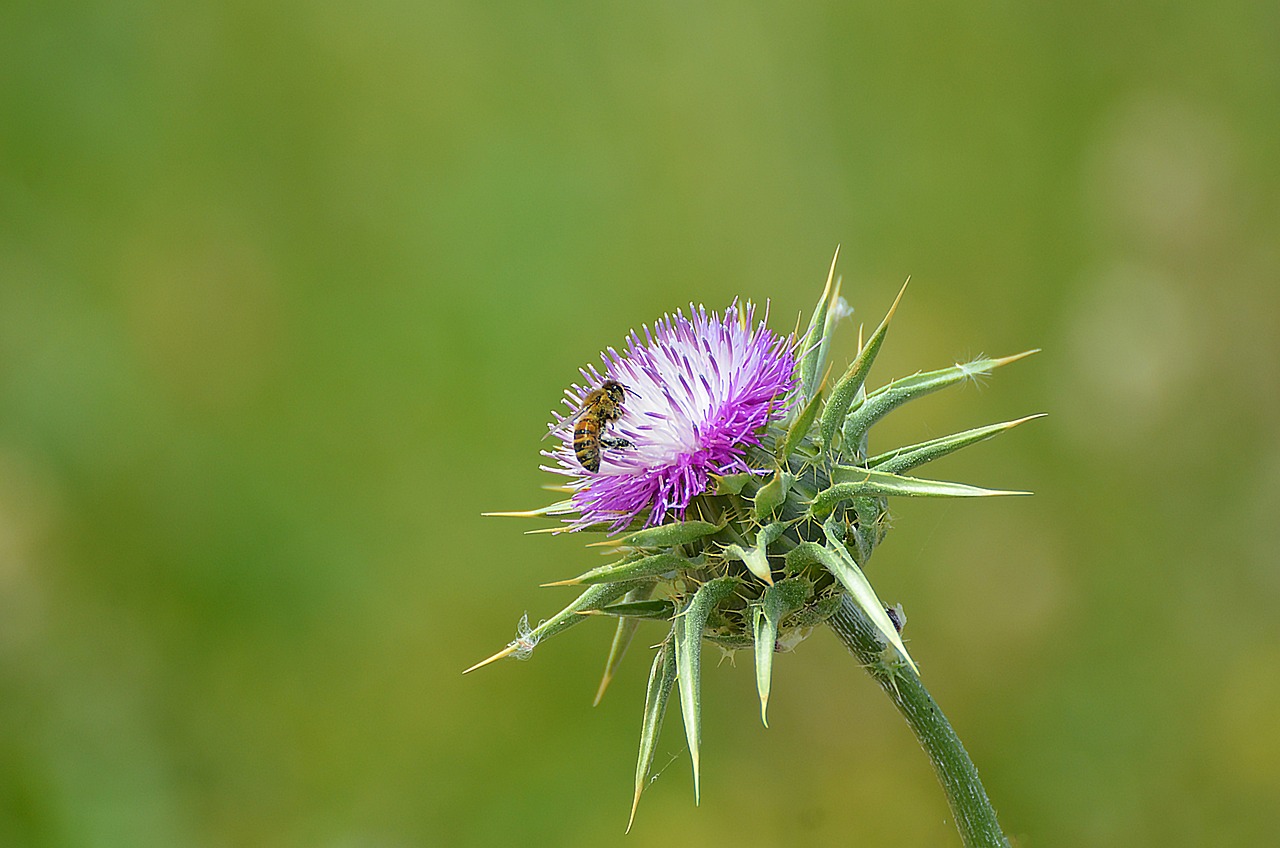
[975, 818]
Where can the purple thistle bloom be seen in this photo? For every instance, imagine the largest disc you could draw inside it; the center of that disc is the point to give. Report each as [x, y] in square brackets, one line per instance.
[698, 392]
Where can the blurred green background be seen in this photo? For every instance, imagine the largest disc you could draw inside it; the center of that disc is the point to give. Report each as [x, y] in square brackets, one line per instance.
[287, 291]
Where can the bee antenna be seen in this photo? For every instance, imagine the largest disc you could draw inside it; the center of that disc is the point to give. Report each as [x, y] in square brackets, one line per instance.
[628, 388]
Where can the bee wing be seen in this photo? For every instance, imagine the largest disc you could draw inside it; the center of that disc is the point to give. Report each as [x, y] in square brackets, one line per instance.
[567, 422]
[558, 428]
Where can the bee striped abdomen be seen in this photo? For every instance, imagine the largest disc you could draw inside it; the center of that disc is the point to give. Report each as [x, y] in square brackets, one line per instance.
[586, 442]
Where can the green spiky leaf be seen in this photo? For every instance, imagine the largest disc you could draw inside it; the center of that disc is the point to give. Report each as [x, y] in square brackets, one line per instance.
[805, 559]
[633, 611]
[753, 558]
[812, 347]
[622, 636]
[662, 676]
[732, 484]
[627, 569]
[687, 634]
[770, 533]
[842, 565]
[884, 400]
[772, 495]
[913, 456]
[855, 376]
[669, 535]
[799, 428]
[593, 598]
[756, 557]
[858, 482]
[783, 597]
[834, 313]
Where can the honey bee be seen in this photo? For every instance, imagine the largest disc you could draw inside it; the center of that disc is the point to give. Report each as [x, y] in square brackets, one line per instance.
[600, 408]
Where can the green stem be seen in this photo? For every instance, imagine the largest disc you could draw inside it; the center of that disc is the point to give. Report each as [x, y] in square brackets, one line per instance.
[975, 818]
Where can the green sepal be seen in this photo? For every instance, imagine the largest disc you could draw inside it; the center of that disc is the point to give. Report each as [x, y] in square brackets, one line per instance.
[732, 484]
[593, 598]
[816, 613]
[633, 611]
[855, 376]
[778, 600]
[858, 482]
[888, 398]
[687, 633]
[771, 533]
[668, 535]
[842, 565]
[812, 348]
[772, 495]
[869, 530]
[805, 559]
[662, 676]
[622, 636]
[627, 569]
[913, 456]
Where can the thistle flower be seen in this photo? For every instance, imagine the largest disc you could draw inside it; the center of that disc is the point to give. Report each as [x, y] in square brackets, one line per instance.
[750, 501]
[699, 392]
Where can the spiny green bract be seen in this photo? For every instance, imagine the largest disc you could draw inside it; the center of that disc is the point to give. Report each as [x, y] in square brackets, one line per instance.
[762, 560]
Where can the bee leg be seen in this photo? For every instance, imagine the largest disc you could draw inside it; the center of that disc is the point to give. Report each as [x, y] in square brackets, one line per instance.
[609, 442]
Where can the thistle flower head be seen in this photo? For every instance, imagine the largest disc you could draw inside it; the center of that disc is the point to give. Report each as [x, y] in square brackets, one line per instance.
[698, 392]
[750, 500]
